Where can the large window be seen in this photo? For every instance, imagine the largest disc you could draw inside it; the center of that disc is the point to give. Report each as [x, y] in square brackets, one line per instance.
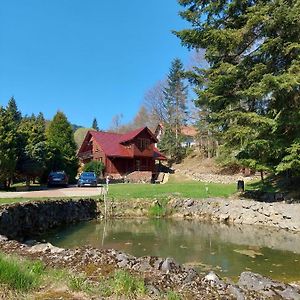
[144, 144]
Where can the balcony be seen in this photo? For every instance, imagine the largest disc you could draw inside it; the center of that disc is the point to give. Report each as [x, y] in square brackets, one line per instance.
[86, 155]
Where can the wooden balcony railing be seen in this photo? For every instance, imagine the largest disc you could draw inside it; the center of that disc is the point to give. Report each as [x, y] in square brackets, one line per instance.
[86, 155]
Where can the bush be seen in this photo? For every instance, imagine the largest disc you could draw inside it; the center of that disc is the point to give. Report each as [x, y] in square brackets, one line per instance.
[158, 209]
[94, 166]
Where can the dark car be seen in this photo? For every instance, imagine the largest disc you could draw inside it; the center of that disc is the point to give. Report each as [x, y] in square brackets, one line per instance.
[87, 179]
[59, 178]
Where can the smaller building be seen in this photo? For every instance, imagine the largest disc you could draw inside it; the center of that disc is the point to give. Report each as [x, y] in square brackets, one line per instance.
[189, 134]
[121, 153]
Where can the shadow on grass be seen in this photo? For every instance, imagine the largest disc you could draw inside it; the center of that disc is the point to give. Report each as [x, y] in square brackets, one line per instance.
[274, 189]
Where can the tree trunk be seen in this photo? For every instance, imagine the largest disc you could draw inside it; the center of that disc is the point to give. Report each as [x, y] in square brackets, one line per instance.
[27, 181]
[262, 176]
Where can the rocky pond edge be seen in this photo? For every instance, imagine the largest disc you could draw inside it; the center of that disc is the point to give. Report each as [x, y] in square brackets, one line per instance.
[19, 222]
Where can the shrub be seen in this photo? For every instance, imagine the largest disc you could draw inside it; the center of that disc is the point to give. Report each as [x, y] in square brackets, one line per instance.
[94, 166]
[159, 209]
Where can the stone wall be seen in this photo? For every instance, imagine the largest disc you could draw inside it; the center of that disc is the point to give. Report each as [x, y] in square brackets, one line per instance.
[279, 215]
[28, 219]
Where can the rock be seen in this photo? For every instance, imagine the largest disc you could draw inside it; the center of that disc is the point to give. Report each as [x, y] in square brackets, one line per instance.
[3, 238]
[192, 274]
[153, 291]
[189, 203]
[30, 242]
[213, 278]
[236, 292]
[47, 247]
[122, 256]
[167, 265]
[268, 287]
[123, 263]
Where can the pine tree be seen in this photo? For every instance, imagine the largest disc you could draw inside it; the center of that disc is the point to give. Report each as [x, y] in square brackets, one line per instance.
[61, 146]
[95, 124]
[251, 86]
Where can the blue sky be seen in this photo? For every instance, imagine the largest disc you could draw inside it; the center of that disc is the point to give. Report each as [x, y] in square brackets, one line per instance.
[88, 58]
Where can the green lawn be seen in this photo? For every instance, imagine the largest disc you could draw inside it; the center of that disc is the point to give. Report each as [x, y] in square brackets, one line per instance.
[184, 189]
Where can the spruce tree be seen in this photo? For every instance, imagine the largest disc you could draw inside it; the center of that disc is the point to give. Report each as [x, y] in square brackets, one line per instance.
[175, 97]
[10, 118]
[251, 86]
[32, 161]
[61, 146]
[95, 124]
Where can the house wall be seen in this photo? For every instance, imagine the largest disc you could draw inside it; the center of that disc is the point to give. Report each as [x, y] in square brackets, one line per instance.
[142, 157]
[138, 151]
[97, 151]
[123, 166]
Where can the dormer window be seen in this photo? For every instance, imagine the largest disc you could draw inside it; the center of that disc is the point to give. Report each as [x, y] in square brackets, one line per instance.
[144, 144]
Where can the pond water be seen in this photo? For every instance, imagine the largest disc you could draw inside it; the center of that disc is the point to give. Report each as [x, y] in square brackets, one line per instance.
[228, 250]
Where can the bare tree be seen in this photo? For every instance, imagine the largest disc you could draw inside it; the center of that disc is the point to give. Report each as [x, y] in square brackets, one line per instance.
[142, 118]
[154, 102]
[116, 123]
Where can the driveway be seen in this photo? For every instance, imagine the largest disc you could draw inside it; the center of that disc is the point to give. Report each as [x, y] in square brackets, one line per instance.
[71, 191]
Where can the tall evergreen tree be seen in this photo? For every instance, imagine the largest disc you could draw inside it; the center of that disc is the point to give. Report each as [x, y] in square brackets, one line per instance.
[61, 146]
[95, 124]
[32, 161]
[251, 86]
[175, 97]
[175, 94]
[10, 118]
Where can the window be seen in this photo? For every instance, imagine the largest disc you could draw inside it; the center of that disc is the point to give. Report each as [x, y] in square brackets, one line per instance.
[144, 144]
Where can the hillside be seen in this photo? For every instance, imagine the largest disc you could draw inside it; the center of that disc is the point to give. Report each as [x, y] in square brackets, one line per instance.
[196, 168]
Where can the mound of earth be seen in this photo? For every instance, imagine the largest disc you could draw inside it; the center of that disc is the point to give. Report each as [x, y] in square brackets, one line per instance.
[207, 170]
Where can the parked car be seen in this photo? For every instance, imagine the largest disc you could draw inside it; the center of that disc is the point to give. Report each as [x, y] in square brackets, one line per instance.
[87, 179]
[59, 178]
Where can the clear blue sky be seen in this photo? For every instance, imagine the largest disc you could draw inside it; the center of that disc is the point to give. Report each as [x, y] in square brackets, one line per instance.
[88, 58]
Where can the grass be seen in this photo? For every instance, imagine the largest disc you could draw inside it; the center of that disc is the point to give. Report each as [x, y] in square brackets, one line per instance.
[172, 296]
[124, 284]
[21, 278]
[18, 275]
[185, 189]
[160, 191]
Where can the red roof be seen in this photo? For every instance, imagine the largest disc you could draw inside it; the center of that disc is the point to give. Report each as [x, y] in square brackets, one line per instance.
[132, 134]
[112, 143]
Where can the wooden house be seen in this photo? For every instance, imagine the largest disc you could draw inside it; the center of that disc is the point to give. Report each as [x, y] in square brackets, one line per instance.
[121, 153]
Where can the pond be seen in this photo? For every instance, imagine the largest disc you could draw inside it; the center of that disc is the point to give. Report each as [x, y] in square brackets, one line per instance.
[228, 250]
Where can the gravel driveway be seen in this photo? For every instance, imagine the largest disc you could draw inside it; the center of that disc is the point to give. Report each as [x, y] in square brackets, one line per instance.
[71, 191]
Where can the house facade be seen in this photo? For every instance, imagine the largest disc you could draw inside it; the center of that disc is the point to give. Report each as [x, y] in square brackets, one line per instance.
[121, 153]
[189, 134]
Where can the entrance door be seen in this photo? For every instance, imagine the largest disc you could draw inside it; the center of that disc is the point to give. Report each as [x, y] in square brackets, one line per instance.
[137, 165]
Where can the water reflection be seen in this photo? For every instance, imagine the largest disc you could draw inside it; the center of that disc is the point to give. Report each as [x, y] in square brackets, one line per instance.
[226, 249]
